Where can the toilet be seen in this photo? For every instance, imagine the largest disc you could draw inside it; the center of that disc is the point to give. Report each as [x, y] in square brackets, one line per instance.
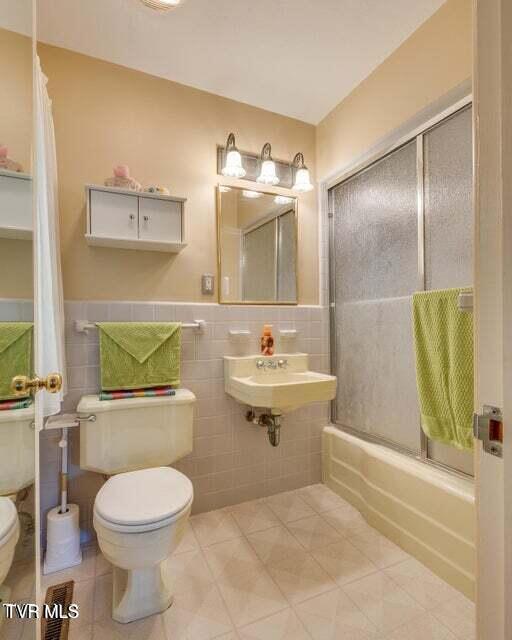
[9, 535]
[140, 513]
[17, 450]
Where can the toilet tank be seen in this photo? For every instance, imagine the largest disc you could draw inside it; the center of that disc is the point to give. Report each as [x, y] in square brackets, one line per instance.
[17, 446]
[135, 433]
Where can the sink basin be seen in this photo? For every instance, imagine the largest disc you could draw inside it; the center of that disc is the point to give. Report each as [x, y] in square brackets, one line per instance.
[270, 386]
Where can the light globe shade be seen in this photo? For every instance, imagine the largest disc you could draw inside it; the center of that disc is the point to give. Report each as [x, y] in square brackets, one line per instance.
[163, 5]
[268, 173]
[233, 167]
[283, 200]
[251, 195]
[302, 181]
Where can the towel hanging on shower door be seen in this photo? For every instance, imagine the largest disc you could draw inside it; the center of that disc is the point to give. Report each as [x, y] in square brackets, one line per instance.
[443, 340]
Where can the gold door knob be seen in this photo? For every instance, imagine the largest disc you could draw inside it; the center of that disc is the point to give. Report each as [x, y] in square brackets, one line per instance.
[23, 385]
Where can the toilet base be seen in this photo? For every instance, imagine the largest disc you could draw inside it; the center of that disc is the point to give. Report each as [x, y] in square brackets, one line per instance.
[5, 596]
[139, 593]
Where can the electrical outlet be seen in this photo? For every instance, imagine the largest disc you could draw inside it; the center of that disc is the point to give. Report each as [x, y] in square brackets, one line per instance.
[207, 284]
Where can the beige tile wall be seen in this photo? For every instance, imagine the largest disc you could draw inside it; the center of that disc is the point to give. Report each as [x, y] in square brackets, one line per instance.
[232, 460]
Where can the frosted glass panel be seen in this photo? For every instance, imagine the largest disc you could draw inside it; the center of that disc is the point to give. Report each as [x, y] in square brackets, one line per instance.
[260, 262]
[448, 162]
[448, 203]
[286, 271]
[376, 267]
[376, 230]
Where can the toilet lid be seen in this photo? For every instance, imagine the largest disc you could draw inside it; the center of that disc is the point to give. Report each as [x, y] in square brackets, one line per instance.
[8, 516]
[143, 497]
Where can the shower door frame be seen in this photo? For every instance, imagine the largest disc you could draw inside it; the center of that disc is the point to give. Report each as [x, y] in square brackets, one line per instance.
[425, 122]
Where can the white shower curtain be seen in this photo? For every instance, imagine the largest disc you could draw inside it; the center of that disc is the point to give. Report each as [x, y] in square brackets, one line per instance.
[48, 296]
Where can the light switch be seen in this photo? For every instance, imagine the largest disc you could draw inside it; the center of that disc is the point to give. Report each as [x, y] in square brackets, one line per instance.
[207, 284]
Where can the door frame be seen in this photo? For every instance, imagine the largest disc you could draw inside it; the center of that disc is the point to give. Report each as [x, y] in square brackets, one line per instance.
[492, 59]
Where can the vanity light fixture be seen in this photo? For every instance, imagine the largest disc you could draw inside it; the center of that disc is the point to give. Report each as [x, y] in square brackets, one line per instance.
[251, 195]
[302, 178]
[233, 167]
[283, 200]
[268, 167]
[163, 5]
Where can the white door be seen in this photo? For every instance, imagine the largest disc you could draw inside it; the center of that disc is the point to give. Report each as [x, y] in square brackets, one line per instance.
[493, 304]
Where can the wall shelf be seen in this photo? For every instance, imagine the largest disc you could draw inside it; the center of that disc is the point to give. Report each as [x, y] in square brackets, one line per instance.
[123, 219]
[15, 205]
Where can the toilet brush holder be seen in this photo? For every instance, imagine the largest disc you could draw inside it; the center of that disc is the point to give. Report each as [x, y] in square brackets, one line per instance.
[62, 539]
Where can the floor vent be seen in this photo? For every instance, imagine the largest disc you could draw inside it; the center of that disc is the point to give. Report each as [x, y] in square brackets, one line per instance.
[58, 598]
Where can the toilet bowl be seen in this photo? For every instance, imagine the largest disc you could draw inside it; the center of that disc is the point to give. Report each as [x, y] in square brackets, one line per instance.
[9, 535]
[140, 518]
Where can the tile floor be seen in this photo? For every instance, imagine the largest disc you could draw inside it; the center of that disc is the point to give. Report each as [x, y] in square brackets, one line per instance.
[301, 565]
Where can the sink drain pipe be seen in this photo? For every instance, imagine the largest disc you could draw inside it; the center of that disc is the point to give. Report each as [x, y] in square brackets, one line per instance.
[271, 420]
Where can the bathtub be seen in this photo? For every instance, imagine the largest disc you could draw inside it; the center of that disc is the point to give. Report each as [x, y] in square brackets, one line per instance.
[428, 512]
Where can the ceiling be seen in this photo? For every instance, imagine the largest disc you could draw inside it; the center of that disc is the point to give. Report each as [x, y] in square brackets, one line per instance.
[294, 57]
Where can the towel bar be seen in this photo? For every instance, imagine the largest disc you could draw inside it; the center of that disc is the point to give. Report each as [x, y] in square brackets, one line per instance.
[84, 326]
[466, 302]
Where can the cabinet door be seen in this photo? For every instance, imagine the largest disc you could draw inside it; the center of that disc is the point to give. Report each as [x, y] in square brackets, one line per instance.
[160, 220]
[15, 202]
[114, 215]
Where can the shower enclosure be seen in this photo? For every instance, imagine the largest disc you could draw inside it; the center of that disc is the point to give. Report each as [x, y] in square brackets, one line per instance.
[398, 225]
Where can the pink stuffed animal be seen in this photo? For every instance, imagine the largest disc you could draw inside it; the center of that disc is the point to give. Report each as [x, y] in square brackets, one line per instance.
[122, 180]
[6, 163]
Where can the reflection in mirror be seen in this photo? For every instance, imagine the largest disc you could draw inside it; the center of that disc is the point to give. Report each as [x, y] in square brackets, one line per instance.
[257, 235]
[17, 435]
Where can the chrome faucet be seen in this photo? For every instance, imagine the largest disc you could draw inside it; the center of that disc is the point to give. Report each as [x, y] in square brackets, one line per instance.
[269, 364]
[282, 364]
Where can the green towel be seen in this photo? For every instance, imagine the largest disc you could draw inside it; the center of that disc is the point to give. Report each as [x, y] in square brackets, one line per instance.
[138, 355]
[443, 338]
[15, 354]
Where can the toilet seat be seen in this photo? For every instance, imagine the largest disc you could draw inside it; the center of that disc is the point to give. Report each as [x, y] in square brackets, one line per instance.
[8, 519]
[145, 500]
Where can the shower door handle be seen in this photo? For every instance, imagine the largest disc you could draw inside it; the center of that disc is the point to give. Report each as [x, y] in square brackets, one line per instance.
[488, 427]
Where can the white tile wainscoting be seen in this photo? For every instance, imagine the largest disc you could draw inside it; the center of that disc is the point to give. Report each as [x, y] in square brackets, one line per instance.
[232, 461]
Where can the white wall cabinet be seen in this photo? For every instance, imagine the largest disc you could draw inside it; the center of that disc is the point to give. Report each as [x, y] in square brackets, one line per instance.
[15, 205]
[134, 220]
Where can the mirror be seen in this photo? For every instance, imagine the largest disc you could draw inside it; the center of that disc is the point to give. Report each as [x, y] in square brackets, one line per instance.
[257, 240]
[17, 434]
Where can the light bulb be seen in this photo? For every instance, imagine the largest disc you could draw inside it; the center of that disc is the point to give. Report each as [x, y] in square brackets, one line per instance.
[302, 178]
[303, 181]
[163, 5]
[251, 195]
[268, 173]
[233, 167]
[283, 200]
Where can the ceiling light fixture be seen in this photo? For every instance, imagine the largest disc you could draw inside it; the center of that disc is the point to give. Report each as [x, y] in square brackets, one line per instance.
[268, 173]
[302, 178]
[163, 5]
[233, 167]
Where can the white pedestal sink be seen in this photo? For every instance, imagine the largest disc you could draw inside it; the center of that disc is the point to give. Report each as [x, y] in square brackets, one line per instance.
[281, 383]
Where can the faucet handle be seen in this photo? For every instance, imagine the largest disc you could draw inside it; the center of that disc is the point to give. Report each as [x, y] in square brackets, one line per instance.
[282, 364]
[260, 364]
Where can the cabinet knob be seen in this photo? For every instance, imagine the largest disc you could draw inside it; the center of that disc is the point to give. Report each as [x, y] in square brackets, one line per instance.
[132, 216]
[146, 218]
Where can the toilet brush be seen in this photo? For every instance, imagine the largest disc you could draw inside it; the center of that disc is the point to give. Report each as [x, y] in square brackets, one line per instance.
[63, 529]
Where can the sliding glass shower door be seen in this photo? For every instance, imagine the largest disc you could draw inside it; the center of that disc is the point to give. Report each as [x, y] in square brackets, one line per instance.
[402, 224]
